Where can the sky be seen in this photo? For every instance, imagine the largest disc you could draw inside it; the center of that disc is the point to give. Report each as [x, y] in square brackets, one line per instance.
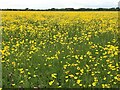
[46, 4]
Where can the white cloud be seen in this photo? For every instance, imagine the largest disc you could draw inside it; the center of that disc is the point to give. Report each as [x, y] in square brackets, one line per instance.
[57, 3]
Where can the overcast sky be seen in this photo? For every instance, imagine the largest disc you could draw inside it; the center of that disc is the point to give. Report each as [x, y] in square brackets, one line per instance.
[45, 4]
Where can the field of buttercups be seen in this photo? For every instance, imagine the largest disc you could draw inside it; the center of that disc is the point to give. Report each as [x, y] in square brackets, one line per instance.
[60, 49]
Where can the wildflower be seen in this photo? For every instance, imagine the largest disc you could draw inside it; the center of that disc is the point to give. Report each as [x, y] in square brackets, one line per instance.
[17, 44]
[78, 81]
[13, 63]
[81, 57]
[88, 53]
[29, 73]
[104, 78]
[94, 83]
[71, 75]
[75, 77]
[51, 82]
[34, 75]
[66, 76]
[53, 75]
[21, 81]
[13, 84]
[66, 80]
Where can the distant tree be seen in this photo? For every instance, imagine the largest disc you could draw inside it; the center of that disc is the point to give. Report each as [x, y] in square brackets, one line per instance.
[118, 8]
[69, 9]
[53, 9]
[65, 9]
[26, 9]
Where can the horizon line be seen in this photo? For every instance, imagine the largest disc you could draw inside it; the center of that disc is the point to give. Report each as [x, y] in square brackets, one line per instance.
[65, 8]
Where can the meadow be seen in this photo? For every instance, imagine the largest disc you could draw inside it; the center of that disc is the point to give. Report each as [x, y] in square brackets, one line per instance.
[60, 49]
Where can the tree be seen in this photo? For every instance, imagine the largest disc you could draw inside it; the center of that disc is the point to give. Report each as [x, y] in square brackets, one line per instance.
[26, 9]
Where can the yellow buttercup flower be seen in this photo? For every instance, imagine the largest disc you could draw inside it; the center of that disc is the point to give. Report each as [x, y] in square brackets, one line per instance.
[51, 82]
[54, 75]
[78, 81]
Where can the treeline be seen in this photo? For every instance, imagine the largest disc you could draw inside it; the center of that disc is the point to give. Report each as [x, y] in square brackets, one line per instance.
[65, 9]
